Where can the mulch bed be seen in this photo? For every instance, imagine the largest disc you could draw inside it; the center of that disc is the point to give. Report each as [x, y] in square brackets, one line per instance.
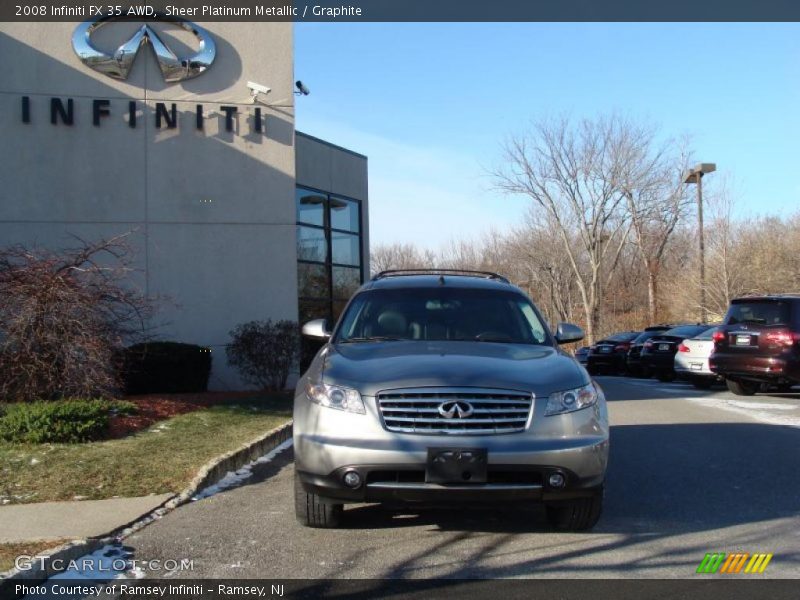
[158, 407]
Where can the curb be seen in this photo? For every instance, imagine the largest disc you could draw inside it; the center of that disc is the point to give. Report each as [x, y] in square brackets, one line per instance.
[214, 470]
[44, 569]
[209, 474]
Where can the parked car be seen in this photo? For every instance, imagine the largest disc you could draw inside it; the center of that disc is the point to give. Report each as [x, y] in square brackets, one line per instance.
[758, 344]
[691, 360]
[609, 354]
[633, 359]
[447, 387]
[658, 353]
[582, 354]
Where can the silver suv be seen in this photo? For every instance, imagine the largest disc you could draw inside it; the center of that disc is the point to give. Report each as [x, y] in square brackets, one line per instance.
[447, 387]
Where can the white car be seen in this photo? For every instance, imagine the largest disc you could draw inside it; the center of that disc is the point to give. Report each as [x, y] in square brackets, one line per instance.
[691, 360]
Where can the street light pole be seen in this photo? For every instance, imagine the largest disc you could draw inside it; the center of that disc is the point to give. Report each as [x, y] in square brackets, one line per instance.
[701, 237]
[695, 176]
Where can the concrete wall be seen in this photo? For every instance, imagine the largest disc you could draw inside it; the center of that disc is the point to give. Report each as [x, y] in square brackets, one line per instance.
[211, 212]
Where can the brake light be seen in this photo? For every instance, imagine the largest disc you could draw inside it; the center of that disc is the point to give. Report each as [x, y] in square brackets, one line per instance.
[718, 336]
[648, 344]
[781, 337]
[622, 346]
[683, 348]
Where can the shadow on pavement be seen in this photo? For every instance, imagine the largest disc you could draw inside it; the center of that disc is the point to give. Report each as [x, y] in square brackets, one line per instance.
[662, 479]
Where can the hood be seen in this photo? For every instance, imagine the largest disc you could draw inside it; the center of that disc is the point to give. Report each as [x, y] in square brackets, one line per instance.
[374, 366]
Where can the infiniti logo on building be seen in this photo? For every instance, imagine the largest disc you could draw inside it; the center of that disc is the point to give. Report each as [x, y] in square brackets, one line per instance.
[455, 408]
[119, 64]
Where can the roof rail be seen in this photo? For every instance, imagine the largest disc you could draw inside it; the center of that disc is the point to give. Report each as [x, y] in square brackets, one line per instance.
[465, 272]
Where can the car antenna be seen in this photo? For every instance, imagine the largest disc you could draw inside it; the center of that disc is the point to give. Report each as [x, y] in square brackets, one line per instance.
[441, 279]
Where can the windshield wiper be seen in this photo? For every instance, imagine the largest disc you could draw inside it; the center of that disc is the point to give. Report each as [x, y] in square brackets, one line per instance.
[373, 338]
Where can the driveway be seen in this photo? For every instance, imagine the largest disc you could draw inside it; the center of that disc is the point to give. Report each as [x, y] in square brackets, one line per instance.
[691, 472]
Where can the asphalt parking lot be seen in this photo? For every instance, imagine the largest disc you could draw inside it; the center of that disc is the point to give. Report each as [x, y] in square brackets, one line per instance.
[691, 472]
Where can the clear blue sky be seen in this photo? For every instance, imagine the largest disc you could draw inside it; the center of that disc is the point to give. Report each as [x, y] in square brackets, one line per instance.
[430, 104]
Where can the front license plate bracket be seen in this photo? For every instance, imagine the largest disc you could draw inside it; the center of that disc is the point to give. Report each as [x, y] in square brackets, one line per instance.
[456, 465]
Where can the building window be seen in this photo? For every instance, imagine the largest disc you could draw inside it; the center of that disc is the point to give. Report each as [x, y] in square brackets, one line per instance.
[329, 245]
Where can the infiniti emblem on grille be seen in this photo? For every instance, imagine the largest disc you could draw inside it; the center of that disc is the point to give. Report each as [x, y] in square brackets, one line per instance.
[455, 408]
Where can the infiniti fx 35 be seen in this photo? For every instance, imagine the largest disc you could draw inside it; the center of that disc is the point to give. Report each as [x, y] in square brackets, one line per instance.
[445, 388]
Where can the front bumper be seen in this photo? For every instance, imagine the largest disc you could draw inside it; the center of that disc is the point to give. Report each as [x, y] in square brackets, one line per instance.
[394, 468]
[406, 484]
[392, 465]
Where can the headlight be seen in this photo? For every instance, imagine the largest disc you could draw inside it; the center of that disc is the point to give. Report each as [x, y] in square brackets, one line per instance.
[571, 400]
[335, 396]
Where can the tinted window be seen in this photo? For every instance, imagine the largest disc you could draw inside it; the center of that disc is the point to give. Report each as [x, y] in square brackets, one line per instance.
[435, 314]
[310, 207]
[311, 244]
[312, 280]
[346, 280]
[623, 337]
[685, 331]
[345, 248]
[646, 335]
[344, 214]
[705, 335]
[763, 312]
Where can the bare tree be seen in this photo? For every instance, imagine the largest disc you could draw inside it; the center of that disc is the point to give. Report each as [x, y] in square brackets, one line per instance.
[657, 199]
[400, 256]
[539, 266]
[63, 317]
[573, 172]
[725, 278]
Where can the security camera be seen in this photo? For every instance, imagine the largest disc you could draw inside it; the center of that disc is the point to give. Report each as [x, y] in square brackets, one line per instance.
[301, 88]
[256, 89]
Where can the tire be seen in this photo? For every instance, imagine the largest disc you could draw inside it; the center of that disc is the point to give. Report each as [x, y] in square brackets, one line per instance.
[645, 372]
[665, 376]
[592, 370]
[702, 383]
[580, 514]
[312, 510]
[742, 388]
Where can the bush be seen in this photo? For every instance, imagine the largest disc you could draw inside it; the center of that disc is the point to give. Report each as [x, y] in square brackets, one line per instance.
[166, 367]
[265, 352]
[55, 421]
[63, 318]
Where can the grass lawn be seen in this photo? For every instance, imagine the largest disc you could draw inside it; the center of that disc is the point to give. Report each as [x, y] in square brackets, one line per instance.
[163, 458]
[9, 552]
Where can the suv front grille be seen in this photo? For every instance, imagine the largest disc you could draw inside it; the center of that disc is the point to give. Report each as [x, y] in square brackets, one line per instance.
[479, 412]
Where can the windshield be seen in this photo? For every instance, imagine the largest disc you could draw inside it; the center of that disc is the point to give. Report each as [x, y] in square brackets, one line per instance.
[708, 334]
[686, 331]
[621, 337]
[764, 312]
[439, 314]
[646, 335]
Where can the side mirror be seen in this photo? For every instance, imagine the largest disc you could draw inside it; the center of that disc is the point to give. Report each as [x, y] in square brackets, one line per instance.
[317, 330]
[567, 332]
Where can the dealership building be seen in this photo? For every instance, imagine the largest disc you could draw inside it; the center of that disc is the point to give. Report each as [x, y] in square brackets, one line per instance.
[115, 127]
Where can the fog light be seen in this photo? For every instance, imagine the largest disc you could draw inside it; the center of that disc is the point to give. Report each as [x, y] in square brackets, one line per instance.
[556, 480]
[352, 479]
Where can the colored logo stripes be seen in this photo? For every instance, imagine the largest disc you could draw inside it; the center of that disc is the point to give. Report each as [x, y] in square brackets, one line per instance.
[739, 562]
